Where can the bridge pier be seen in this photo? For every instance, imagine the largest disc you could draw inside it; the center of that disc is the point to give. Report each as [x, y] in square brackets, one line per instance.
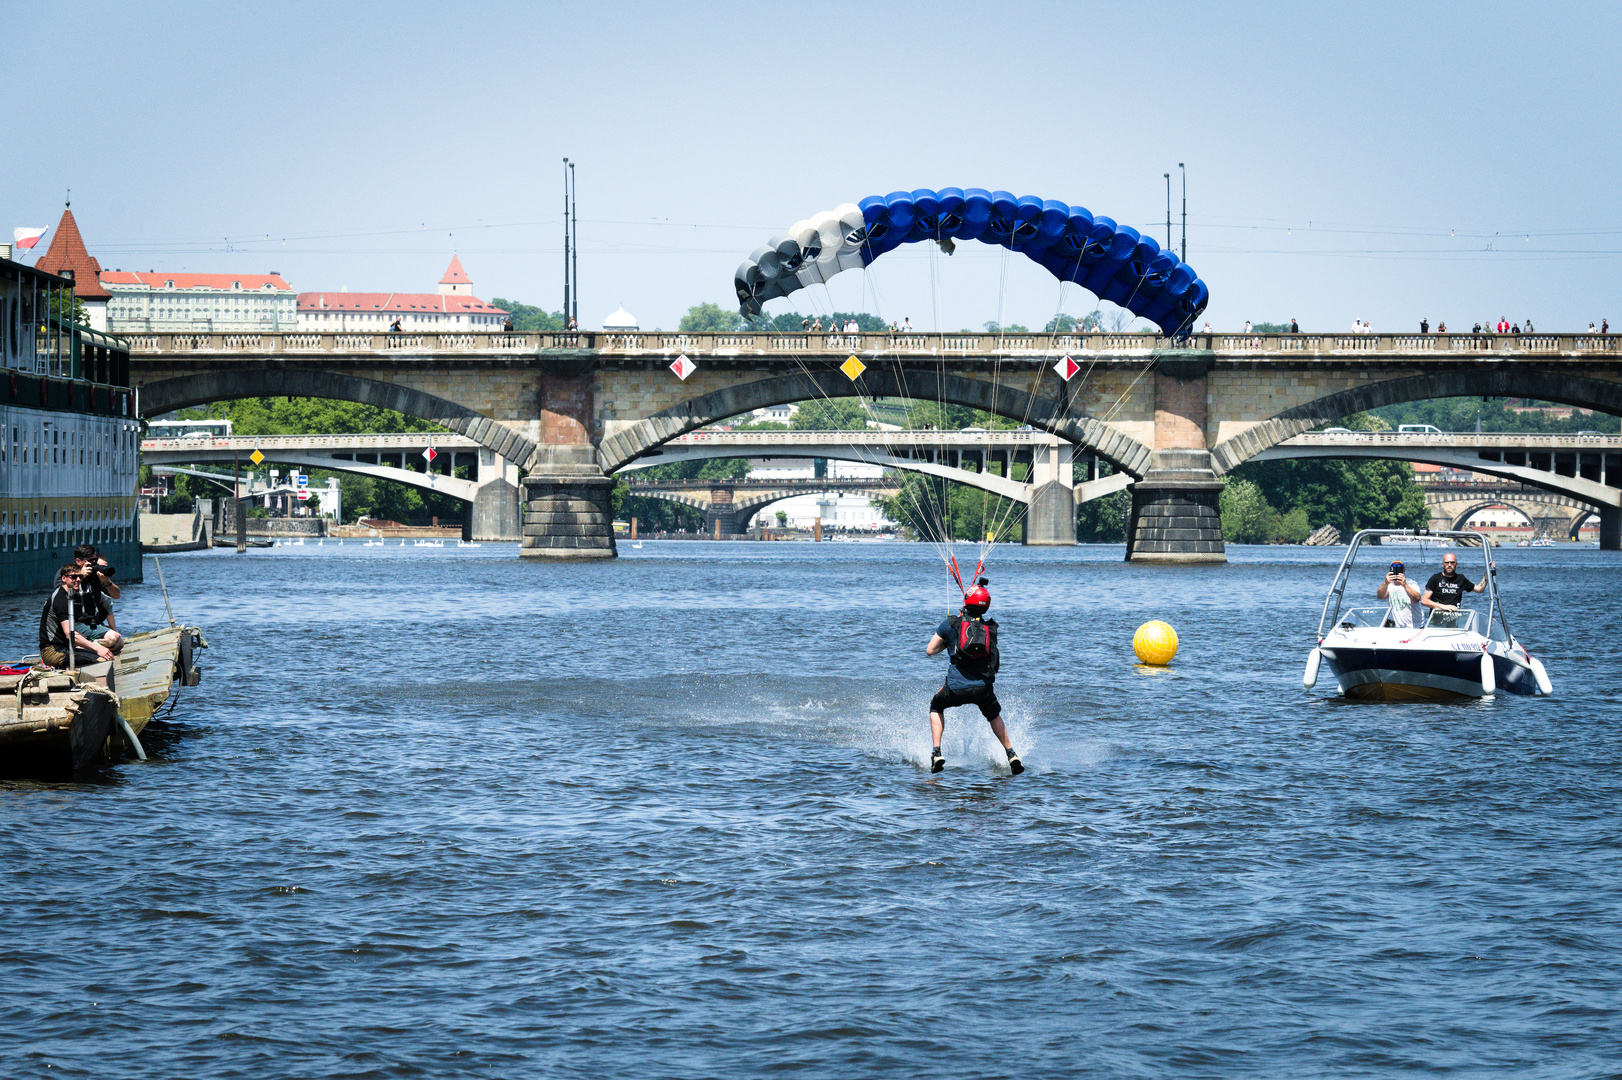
[1175, 513]
[568, 506]
[497, 511]
[1050, 518]
[1610, 528]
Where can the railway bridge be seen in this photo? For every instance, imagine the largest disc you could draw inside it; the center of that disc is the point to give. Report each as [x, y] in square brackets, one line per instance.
[570, 410]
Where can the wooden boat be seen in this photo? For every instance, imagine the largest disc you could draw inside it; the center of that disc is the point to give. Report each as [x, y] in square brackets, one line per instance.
[54, 721]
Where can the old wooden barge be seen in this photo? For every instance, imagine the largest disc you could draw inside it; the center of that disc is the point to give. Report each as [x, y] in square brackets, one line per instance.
[53, 720]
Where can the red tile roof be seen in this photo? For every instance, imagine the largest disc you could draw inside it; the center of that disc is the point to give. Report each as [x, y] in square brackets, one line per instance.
[396, 303]
[226, 282]
[67, 252]
[454, 274]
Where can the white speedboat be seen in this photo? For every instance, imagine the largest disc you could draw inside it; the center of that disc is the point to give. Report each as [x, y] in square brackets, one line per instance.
[1464, 653]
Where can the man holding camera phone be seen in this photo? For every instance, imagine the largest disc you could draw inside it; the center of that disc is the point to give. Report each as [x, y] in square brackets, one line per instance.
[1401, 597]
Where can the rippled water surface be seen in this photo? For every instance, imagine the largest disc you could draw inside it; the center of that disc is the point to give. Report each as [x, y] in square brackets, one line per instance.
[439, 812]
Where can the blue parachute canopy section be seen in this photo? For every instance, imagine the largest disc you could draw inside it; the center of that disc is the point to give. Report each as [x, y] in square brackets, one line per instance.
[1114, 262]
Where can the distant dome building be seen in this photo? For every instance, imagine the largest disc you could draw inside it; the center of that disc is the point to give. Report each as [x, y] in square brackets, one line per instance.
[621, 320]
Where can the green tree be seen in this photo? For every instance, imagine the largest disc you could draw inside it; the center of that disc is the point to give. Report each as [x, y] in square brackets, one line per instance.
[1065, 324]
[1496, 415]
[782, 518]
[65, 305]
[1271, 327]
[836, 414]
[1247, 516]
[994, 327]
[930, 415]
[531, 320]
[709, 318]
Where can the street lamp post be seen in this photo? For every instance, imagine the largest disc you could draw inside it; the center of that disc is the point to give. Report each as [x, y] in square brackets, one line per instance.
[1168, 210]
[1184, 171]
[565, 241]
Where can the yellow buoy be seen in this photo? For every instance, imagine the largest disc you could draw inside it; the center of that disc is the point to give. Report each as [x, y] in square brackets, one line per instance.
[1155, 643]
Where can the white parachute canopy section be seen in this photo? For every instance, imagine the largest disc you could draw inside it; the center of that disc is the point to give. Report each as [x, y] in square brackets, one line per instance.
[811, 252]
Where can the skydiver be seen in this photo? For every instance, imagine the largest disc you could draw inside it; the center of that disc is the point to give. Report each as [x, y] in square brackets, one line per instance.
[970, 642]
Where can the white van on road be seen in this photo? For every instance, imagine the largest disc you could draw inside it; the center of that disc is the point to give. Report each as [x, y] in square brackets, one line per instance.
[1422, 429]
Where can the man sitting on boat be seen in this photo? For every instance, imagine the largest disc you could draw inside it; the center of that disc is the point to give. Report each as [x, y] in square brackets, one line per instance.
[1445, 591]
[97, 593]
[56, 625]
[1402, 599]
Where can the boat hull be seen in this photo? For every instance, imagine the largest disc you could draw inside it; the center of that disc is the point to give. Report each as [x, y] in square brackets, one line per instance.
[1421, 674]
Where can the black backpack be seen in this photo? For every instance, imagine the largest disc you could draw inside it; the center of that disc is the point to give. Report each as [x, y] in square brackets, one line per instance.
[974, 645]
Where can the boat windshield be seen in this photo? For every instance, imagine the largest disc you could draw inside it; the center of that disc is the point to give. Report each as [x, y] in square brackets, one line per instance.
[1467, 621]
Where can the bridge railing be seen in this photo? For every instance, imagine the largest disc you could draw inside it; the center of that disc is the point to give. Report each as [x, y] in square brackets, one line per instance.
[834, 345]
[249, 443]
[1459, 440]
[873, 438]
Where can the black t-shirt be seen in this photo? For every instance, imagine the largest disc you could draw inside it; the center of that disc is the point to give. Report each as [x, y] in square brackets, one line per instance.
[1445, 591]
[57, 609]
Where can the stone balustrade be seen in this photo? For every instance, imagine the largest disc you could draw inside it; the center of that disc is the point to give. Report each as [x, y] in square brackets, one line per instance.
[771, 343]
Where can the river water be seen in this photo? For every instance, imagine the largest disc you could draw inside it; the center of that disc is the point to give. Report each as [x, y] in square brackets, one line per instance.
[442, 812]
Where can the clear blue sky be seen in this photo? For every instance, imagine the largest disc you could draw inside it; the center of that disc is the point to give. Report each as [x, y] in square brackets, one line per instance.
[1385, 162]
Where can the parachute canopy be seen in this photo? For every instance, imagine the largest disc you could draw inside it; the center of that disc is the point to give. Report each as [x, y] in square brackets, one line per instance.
[1114, 262]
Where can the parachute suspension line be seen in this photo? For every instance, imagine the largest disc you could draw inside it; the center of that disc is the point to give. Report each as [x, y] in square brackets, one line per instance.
[922, 510]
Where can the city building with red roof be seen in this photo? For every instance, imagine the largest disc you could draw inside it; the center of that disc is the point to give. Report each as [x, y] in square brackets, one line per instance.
[452, 309]
[67, 257]
[229, 303]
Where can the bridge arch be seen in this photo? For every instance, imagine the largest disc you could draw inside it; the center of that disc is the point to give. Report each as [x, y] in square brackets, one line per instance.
[1123, 451]
[1472, 380]
[1458, 519]
[206, 387]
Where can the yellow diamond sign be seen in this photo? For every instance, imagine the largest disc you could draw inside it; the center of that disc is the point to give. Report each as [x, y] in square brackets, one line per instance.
[852, 368]
[256, 457]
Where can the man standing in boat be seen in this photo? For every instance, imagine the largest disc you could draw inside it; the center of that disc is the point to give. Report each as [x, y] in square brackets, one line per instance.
[56, 627]
[970, 643]
[1445, 591]
[1402, 598]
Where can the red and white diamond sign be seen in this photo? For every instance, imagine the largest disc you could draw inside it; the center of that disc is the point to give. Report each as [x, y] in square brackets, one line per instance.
[683, 367]
[430, 454]
[1066, 367]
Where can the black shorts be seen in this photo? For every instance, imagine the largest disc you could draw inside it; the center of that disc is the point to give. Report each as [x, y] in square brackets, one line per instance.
[985, 698]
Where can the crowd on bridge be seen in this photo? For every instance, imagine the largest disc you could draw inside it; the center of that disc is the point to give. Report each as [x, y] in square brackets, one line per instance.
[1502, 326]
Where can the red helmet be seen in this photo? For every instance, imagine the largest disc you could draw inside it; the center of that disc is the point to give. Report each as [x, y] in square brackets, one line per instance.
[977, 597]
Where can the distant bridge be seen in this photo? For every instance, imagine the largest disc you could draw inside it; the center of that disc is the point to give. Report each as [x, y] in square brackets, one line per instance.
[726, 514]
[1586, 469]
[1452, 504]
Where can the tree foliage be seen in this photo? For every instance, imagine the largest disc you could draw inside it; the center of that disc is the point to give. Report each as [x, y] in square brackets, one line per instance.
[1066, 324]
[710, 318]
[830, 414]
[1498, 414]
[531, 320]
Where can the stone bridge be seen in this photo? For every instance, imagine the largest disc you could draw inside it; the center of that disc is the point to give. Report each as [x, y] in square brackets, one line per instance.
[728, 514]
[573, 409]
[1549, 513]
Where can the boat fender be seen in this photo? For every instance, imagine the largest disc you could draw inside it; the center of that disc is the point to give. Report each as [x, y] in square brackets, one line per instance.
[1309, 678]
[1488, 683]
[1545, 687]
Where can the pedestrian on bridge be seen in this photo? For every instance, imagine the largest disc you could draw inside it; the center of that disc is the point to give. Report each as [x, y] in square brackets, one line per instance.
[1424, 326]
